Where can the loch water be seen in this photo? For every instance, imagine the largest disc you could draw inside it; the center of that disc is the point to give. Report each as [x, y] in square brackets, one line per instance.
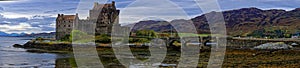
[11, 57]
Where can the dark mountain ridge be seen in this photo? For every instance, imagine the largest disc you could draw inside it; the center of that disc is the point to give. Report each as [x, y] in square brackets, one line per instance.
[238, 22]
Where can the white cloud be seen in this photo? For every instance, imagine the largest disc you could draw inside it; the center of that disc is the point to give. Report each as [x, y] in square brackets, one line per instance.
[27, 28]
[22, 15]
[141, 9]
[14, 15]
[33, 24]
[53, 25]
[284, 8]
[11, 1]
[6, 22]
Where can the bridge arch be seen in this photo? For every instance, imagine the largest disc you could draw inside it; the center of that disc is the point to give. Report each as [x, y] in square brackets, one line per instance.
[172, 41]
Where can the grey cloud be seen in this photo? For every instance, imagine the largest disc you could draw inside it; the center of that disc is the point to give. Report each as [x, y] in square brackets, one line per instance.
[8, 0]
[37, 22]
[1, 9]
[48, 29]
[14, 21]
[53, 11]
[2, 23]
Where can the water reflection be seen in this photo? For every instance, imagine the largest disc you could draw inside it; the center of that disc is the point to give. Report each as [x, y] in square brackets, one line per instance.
[18, 57]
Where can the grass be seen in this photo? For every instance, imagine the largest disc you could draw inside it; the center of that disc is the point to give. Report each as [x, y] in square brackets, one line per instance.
[192, 35]
[233, 58]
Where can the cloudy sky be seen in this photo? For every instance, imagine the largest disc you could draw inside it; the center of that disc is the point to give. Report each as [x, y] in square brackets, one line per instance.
[36, 16]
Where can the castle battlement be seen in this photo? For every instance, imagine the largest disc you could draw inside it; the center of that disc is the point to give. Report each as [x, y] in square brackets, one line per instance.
[102, 18]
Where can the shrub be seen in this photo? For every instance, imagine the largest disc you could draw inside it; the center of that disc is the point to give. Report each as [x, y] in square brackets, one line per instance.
[66, 38]
[39, 39]
[146, 33]
[103, 39]
[138, 40]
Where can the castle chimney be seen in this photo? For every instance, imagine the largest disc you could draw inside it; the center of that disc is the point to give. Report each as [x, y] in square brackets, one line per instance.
[95, 4]
[113, 2]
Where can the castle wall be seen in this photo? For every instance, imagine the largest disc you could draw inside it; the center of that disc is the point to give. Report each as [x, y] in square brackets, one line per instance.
[87, 26]
[100, 21]
[63, 28]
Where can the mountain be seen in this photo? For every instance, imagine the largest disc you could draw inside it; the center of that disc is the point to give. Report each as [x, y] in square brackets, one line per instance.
[238, 22]
[155, 25]
[12, 34]
[43, 35]
[3, 33]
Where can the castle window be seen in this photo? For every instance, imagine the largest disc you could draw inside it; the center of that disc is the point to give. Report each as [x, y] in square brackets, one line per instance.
[64, 25]
[69, 29]
[69, 25]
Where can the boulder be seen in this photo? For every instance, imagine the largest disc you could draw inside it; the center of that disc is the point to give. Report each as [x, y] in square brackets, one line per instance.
[273, 46]
[18, 46]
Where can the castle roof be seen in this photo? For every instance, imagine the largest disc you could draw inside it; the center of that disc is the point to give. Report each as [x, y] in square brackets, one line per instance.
[66, 17]
[98, 6]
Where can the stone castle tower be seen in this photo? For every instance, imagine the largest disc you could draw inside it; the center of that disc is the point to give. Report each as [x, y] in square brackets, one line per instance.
[64, 25]
[101, 19]
[108, 16]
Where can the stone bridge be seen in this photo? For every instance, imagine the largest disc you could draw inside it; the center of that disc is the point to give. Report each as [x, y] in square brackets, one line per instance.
[170, 40]
[231, 42]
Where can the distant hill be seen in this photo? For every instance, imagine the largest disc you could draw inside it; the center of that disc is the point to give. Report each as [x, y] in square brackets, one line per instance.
[41, 35]
[151, 24]
[3, 33]
[238, 22]
[12, 34]
[51, 34]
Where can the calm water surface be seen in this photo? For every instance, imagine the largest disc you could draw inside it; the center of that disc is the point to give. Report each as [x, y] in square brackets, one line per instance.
[18, 57]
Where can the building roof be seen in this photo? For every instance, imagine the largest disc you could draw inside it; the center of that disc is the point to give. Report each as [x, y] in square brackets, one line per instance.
[66, 17]
[98, 6]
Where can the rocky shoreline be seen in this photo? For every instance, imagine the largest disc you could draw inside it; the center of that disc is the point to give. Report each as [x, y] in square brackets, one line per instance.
[43, 47]
[68, 46]
[234, 55]
[58, 47]
[46, 46]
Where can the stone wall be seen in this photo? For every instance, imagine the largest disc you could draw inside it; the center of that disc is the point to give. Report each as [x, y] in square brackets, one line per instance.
[101, 20]
[64, 25]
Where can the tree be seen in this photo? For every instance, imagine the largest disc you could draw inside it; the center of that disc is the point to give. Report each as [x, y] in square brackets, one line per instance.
[138, 40]
[146, 33]
[66, 38]
[40, 39]
[163, 35]
[258, 33]
[103, 38]
[279, 33]
[287, 35]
